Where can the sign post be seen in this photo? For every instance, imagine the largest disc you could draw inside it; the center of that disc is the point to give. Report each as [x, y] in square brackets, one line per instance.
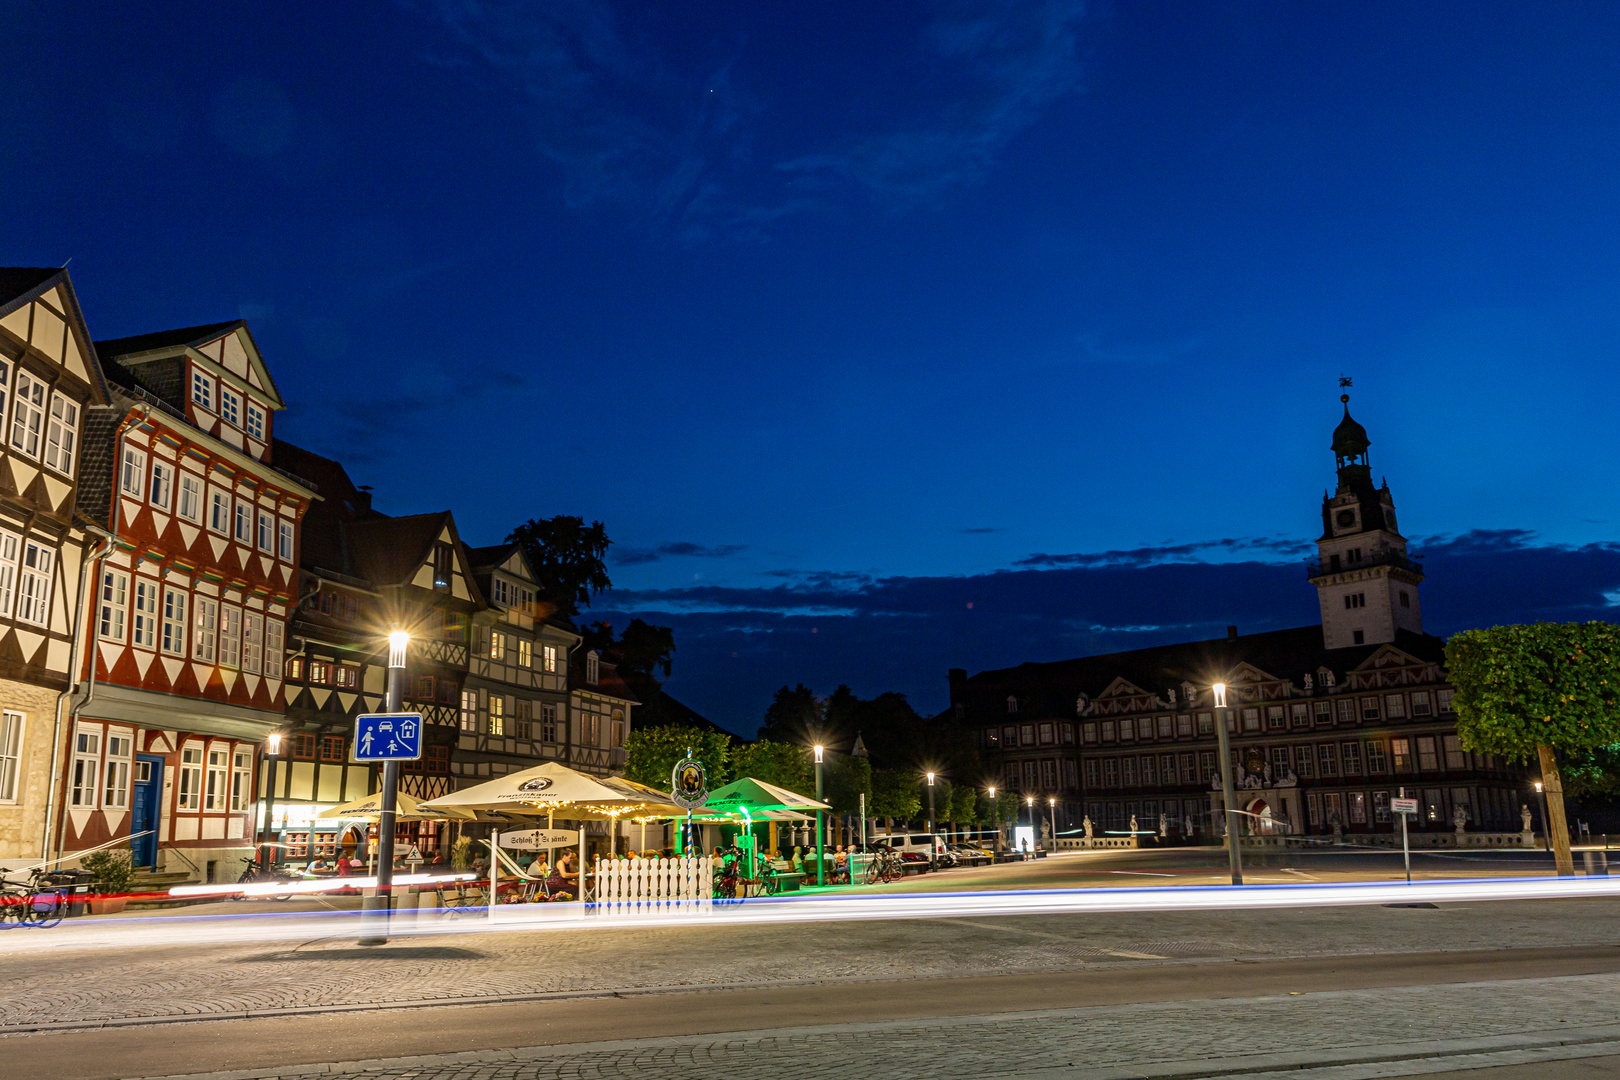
[389, 737]
[1405, 807]
[689, 788]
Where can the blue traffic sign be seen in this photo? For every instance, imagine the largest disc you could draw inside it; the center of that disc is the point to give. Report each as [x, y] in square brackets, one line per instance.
[388, 736]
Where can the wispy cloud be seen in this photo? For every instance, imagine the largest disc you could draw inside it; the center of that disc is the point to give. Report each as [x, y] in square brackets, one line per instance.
[678, 549]
[1173, 553]
[699, 141]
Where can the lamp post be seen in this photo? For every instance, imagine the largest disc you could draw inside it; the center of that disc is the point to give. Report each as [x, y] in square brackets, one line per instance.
[1546, 833]
[821, 831]
[995, 817]
[1029, 800]
[375, 909]
[272, 750]
[930, 804]
[1228, 797]
[1051, 814]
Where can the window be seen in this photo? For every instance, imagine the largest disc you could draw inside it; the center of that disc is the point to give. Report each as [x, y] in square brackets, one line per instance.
[525, 653]
[1012, 705]
[1111, 772]
[1324, 713]
[1048, 734]
[1107, 732]
[497, 646]
[1358, 637]
[1444, 698]
[1165, 726]
[191, 497]
[497, 715]
[284, 541]
[1313, 809]
[548, 654]
[274, 648]
[1304, 762]
[1369, 708]
[1049, 774]
[1206, 765]
[593, 668]
[114, 597]
[444, 563]
[146, 614]
[230, 636]
[230, 407]
[162, 484]
[28, 415]
[1347, 710]
[295, 667]
[1381, 807]
[1251, 719]
[244, 522]
[267, 532]
[219, 512]
[214, 795]
[332, 747]
[1420, 703]
[1328, 759]
[469, 710]
[1068, 734]
[1091, 772]
[62, 432]
[1127, 771]
[1275, 720]
[1184, 726]
[1406, 599]
[1144, 728]
[1350, 754]
[202, 390]
[255, 421]
[424, 688]
[86, 767]
[11, 731]
[1454, 754]
[1026, 734]
[548, 722]
[320, 672]
[9, 542]
[1375, 757]
[206, 634]
[523, 720]
[174, 622]
[190, 797]
[303, 747]
[252, 642]
[241, 779]
[1280, 762]
[346, 677]
[1358, 808]
[1150, 772]
[132, 475]
[1301, 714]
[1401, 754]
[1396, 704]
[1355, 600]
[34, 584]
[1189, 769]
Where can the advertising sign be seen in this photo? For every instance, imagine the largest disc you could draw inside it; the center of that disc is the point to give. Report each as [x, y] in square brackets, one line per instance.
[536, 839]
[1404, 806]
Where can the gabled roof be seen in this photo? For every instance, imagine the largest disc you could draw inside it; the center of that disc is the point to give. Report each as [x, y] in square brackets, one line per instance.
[608, 683]
[164, 340]
[388, 551]
[141, 349]
[19, 283]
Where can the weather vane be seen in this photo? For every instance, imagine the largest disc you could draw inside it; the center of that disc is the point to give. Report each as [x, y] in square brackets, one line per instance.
[1344, 381]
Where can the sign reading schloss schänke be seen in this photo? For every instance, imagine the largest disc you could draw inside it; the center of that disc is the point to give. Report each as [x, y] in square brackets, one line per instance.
[388, 737]
[535, 839]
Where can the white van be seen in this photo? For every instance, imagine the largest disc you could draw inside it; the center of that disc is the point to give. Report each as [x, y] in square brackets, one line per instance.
[929, 846]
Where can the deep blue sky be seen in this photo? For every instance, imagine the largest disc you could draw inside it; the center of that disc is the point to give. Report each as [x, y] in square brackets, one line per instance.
[838, 314]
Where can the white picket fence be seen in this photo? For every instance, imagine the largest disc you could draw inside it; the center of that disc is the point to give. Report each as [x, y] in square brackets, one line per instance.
[654, 886]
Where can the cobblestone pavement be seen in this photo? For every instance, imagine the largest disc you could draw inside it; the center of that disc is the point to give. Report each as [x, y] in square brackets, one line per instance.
[88, 986]
[1411, 1030]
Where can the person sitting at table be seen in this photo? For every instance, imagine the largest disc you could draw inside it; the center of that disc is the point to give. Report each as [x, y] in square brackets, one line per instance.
[840, 864]
[563, 881]
[318, 865]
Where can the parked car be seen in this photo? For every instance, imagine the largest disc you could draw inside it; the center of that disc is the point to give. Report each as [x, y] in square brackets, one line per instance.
[928, 847]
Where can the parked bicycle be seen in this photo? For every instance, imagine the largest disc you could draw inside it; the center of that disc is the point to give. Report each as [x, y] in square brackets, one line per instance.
[884, 867]
[254, 873]
[31, 902]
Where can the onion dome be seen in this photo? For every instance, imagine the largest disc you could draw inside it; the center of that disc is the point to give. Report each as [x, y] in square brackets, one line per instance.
[1349, 438]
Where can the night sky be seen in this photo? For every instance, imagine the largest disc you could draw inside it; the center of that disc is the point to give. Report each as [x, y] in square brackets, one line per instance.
[884, 338]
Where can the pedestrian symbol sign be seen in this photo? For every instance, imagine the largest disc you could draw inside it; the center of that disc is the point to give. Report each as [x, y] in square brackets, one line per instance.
[388, 737]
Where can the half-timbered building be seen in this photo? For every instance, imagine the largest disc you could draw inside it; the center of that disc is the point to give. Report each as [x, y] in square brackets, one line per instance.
[49, 380]
[188, 629]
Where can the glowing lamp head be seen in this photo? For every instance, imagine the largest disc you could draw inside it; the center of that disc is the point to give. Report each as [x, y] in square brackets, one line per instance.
[992, 793]
[273, 744]
[818, 755]
[1050, 801]
[398, 642]
[1220, 695]
[930, 779]
[1538, 787]
[1030, 800]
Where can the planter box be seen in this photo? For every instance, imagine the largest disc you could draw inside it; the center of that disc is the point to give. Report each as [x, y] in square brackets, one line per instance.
[107, 905]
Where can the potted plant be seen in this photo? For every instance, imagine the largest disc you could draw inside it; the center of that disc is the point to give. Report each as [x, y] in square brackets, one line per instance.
[461, 855]
[112, 875]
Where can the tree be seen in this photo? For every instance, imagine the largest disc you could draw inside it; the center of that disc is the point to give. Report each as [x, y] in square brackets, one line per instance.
[941, 799]
[964, 805]
[651, 754]
[1541, 689]
[639, 653]
[566, 557]
[793, 716]
[894, 795]
[844, 780]
[782, 764]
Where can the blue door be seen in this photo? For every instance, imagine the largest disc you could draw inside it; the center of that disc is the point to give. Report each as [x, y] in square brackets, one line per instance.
[146, 808]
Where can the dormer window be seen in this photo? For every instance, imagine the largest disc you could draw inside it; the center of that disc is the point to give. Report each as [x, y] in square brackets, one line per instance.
[202, 390]
[1012, 705]
[444, 560]
[1325, 675]
[593, 667]
[230, 407]
[255, 422]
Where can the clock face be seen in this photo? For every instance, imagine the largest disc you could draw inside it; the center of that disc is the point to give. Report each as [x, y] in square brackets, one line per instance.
[1346, 518]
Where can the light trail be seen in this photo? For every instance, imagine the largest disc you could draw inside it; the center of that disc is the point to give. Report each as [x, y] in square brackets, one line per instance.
[192, 930]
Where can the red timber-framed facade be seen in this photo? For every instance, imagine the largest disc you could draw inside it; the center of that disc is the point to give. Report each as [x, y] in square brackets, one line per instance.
[187, 631]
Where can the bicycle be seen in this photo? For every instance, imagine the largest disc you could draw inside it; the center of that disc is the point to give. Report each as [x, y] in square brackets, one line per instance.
[38, 903]
[884, 868]
[254, 874]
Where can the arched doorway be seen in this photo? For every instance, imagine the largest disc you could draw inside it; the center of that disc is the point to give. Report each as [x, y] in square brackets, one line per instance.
[1262, 822]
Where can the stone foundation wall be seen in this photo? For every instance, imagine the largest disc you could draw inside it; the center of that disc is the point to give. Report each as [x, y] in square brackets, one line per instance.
[22, 823]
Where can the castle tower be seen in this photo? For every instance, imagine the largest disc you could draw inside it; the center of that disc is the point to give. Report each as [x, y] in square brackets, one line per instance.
[1367, 584]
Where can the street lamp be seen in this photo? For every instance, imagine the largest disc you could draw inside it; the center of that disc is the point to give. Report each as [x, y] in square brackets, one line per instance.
[375, 909]
[995, 817]
[930, 804]
[821, 838]
[1546, 833]
[1051, 814]
[272, 750]
[1030, 801]
[1228, 797]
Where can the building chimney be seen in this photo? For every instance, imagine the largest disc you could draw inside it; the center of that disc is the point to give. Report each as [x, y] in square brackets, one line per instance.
[1231, 633]
[957, 677]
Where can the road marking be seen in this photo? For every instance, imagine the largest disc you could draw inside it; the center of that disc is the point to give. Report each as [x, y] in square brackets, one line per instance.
[1140, 873]
[1129, 955]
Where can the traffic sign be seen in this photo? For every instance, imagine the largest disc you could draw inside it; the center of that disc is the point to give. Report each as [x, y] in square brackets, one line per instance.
[388, 736]
[1404, 806]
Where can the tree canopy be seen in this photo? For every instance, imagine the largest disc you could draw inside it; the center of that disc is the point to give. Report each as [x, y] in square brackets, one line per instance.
[793, 716]
[1520, 688]
[651, 754]
[894, 794]
[566, 557]
[782, 764]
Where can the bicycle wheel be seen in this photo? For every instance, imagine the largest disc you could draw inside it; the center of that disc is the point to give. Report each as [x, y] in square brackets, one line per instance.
[12, 906]
[45, 908]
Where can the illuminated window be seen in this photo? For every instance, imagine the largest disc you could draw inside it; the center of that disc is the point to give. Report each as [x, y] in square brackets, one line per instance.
[202, 390]
[114, 599]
